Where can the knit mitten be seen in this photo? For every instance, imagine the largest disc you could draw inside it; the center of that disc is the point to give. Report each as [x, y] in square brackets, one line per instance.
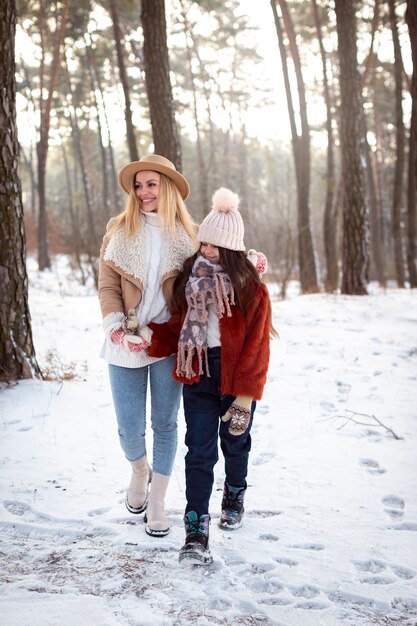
[117, 336]
[259, 260]
[239, 415]
[139, 342]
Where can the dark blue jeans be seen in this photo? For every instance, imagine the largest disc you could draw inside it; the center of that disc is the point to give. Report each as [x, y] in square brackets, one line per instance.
[203, 407]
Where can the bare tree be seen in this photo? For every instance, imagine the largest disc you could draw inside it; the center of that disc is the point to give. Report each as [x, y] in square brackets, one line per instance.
[411, 18]
[330, 210]
[301, 148]
[133, 151]
[45, 116]
[355, 223]
[158, 85]
[400, 143]
[17, 354]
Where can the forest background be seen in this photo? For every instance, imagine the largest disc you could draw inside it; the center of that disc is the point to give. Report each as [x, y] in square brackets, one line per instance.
[305, 108]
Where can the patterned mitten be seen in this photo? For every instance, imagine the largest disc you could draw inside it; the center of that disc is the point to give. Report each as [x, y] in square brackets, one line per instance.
[137, 343]
[117, 336]
[239, 415]
[259, 260]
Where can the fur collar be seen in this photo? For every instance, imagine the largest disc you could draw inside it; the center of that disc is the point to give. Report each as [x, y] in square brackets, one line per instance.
[129, 254]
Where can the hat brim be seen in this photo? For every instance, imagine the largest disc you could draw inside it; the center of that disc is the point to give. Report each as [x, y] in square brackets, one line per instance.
[128, 172]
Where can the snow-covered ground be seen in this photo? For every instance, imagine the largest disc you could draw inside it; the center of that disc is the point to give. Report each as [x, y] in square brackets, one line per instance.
[330, 533]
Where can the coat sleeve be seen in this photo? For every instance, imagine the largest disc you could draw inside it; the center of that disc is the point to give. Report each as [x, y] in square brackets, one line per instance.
[109, 289]
[252, 365]
[165, 337]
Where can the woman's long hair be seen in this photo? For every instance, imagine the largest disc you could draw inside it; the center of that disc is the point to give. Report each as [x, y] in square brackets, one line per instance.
[170, 207]
[241, 272]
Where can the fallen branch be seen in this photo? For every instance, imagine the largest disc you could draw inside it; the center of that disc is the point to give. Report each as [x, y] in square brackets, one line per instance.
[352, 418]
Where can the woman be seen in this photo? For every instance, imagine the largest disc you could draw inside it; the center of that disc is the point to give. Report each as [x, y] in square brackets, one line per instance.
[220, 330]
[143, 250]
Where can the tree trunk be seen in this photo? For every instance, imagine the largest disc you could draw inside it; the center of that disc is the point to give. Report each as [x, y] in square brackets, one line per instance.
[158, 85]
[133, 151]
[45, 121]
[375, 221]
[301, 148]
[355, 223]
[116, 192]
[17, 354]
[202, 170]
[330, 216]
[399, 160]
[89, 67]
[91, 238]
[411, 19]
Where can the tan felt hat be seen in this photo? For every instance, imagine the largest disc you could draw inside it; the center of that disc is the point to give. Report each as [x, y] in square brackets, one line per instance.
[153, 163]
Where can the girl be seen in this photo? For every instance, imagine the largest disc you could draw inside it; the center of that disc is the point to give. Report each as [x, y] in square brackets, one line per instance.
[220, 332]
[143, 251]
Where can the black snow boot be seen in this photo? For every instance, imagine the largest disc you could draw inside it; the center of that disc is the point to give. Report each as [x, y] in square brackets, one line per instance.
[196, 551]
[232, 507]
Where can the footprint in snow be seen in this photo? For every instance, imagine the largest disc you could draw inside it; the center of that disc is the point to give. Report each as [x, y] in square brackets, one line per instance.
[404, 526]
[343, 391]
[283, 560]
[304, 591]
[15, 507]
[374, 566]
[263, 458]
[315, 547]
[406, 573]
[372, 466]
[268, 537]
[311, 606]
[263, 409]
[262, 514]
[395, 506]
[96, 512]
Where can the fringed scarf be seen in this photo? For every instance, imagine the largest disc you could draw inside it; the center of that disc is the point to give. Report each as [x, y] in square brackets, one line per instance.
[207, 284]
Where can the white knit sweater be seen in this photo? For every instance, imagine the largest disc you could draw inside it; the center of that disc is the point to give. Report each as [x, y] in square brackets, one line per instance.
[152, 306]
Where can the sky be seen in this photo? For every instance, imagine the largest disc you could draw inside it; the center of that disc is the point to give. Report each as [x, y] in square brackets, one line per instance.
[329, 533]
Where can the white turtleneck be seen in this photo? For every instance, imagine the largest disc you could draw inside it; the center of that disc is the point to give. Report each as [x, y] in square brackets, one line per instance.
[152, 306]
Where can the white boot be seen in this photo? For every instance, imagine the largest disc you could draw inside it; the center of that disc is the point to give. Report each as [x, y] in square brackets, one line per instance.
[156, 520]
[137, 493]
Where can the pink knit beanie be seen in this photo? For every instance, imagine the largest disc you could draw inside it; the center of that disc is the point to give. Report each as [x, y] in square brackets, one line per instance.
[223, 226]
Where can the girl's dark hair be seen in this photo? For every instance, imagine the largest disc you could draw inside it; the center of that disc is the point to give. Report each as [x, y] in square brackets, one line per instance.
[242, 274]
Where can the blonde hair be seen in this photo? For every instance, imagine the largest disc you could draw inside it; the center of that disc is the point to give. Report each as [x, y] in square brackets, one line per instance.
[171, 207]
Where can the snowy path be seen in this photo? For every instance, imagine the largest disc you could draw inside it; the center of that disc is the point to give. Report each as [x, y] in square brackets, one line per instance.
[330, 534]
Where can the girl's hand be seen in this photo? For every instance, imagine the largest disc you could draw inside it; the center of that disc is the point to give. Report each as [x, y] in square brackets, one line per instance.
[239, 415]
[259, 260]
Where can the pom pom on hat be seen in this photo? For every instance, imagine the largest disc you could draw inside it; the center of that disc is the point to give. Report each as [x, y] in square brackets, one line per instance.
[223, 226]
[225, 200]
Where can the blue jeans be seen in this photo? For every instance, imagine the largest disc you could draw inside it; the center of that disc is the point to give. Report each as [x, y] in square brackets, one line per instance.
[203, 407]
[129, 388]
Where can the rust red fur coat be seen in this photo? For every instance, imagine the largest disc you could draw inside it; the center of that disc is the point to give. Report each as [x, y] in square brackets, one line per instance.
[244, 345]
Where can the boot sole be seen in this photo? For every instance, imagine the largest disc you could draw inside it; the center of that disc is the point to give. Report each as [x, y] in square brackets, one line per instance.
[156, 533]
[225, 526]
[193, 558]
[136, 510]
[139, 509]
